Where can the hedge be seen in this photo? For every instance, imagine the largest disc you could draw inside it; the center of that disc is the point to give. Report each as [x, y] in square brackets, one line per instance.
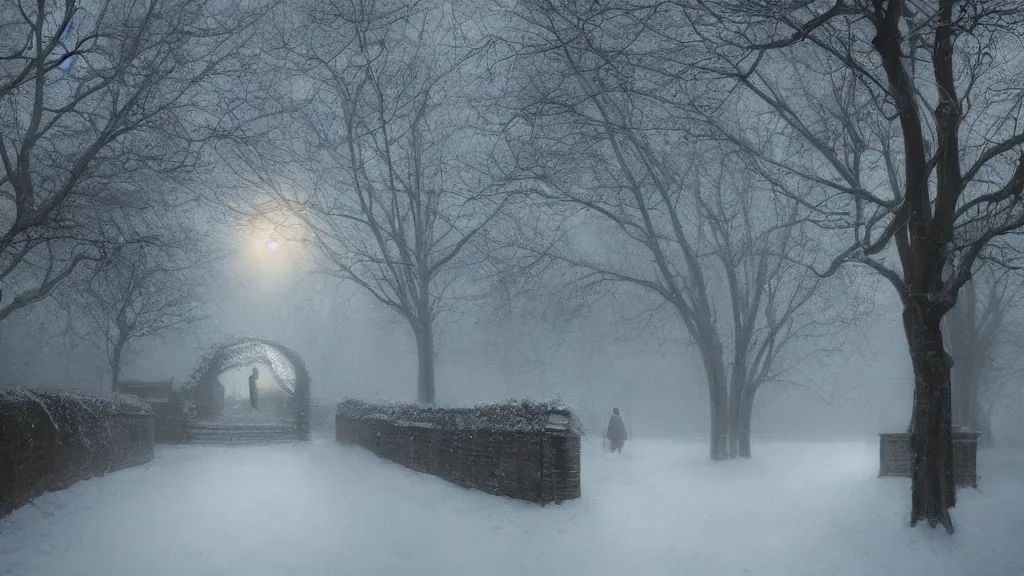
[51, 439]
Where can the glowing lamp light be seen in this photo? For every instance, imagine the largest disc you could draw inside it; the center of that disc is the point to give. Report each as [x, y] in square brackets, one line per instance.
[272, 244]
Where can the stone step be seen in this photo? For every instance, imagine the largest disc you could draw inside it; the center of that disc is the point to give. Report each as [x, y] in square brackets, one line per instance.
[218, 426]
[242, 440]
[288, 433]
[239, 433]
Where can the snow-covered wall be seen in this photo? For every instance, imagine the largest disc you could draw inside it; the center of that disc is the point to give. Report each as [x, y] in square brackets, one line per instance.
[524, 450]
[49, 440]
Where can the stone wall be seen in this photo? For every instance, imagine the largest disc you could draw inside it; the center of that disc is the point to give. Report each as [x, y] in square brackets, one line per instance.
[528, 451]
[171, 413]
[171, 421]
[894, 457]
[50, 440]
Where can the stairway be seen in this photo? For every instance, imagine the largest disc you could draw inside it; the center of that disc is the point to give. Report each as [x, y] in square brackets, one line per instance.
[240, 433]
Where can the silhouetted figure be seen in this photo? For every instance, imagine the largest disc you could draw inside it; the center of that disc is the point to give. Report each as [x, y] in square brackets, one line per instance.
[253, 398]
[616, 431]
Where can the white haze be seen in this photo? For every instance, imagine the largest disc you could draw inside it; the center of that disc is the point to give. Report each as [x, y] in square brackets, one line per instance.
[601, 360]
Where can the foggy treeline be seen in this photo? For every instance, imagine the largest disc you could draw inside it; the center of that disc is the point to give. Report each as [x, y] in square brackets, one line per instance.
[722, 216]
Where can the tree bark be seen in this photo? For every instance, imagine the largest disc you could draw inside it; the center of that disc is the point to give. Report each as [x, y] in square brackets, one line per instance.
[736, 394]
[719, 449]
[69, 346]
[746, 415]
[718, 396]
[734, 427]
[425, 357]
[933, 488]
[115, 366]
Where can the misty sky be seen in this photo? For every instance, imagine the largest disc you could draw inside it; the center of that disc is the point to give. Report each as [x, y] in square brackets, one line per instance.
[621, 349]
[353, 347]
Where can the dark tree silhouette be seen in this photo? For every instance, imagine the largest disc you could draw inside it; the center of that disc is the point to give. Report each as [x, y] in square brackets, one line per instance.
[375, 161]
[909, 130]
[692, 224]
[96, 99]
[142, 293]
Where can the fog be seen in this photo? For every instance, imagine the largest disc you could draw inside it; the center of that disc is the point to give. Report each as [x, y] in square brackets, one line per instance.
[448, 210]
[595, 362]
[858, 382]
[737, 284]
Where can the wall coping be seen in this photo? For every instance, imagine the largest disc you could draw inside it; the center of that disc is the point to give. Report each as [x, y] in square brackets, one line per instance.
[410, 424]
[509, 416]
[907, 434]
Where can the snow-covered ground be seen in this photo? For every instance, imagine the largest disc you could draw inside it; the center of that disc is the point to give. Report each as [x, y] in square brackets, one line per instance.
[660, 508]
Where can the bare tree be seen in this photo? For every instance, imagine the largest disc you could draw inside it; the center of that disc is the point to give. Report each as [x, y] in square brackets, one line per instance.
[374, 160]
[691, 224]
[762, 249]
[142, 293]
[94, 98]
[904, 116]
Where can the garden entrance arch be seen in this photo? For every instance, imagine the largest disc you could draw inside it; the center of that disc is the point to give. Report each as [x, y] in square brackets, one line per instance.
[285, 365]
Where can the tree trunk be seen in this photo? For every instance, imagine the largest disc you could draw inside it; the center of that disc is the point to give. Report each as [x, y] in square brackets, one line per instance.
[739, 426]
[68, 351]
[746, 417]
[718, 396]
[425, 356]
[933, 489]
[734, 430]
[719, 449]
[115, 366]
[736, 408]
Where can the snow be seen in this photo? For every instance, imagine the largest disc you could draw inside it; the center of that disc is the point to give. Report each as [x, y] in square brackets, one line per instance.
[49, 399]
[512, 415]
[798, 508]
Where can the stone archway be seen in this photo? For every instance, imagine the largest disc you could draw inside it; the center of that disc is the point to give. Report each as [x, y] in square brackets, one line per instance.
[285, 365]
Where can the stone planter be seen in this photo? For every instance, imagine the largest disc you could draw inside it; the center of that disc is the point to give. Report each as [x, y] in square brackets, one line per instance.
[894, 456]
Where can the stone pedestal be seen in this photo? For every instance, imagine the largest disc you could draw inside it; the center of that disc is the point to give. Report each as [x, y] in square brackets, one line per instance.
[894, 456]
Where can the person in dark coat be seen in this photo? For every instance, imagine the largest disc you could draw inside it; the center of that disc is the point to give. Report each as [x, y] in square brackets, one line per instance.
[253, 399]
[616, 431]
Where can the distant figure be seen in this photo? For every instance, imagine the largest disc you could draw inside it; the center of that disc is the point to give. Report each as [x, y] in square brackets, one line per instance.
[253, 399]
[616, 431]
